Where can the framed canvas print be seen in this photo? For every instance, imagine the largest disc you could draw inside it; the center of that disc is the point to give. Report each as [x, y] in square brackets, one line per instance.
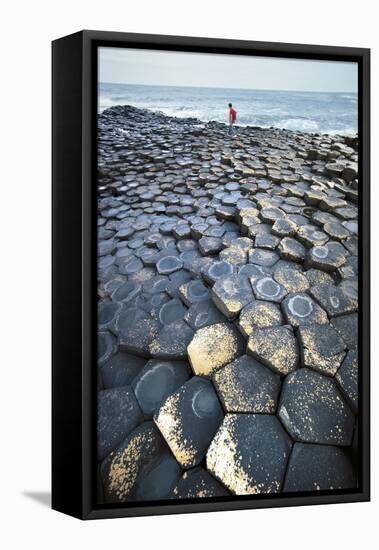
[210, 274]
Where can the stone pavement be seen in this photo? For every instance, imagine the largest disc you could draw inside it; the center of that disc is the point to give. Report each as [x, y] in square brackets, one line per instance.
[227, 309]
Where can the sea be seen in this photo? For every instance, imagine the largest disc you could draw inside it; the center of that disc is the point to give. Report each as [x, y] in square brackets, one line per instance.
[321, 112]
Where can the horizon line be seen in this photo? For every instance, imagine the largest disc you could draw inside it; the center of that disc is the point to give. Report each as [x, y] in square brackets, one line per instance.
[232, 88]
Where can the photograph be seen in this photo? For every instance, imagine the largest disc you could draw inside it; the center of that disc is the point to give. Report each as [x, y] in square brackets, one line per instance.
[227, 200]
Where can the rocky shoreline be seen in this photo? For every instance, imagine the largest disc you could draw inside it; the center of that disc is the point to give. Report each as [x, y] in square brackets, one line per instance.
[227, 312]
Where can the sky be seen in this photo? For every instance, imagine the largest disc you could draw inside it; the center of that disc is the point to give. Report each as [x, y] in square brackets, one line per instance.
[153, 67]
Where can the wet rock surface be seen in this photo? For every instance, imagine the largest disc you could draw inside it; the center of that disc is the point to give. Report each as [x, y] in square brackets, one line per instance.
[227, 276]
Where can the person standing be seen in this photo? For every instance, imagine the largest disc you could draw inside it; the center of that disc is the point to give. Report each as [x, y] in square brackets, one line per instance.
[232, 119]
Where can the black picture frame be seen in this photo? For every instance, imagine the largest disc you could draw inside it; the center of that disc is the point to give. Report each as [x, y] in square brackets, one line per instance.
[74, 112]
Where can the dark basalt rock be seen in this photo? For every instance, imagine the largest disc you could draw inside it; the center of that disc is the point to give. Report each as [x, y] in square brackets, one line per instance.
[198, 483]
[318, 468]
[126, 292]
[203, 314]
[275, 347]
[347, 379]
[262, 257]
[141, 468]
[168, 265]
[247, 386]
[118, 414]
[156, 381]
[347, 328]
[249, 454]
[193, 292]
[334, 299]
[299, 309]
[138, 337]
[291, 249]
[266, 288]
[215, 270]
[171, 311]
[231, 293]
[291, 279]
[120, 369]
[322, 349]
[210, 245]
[189, 419]
[106, 347]
[312, 409]
[259, 314]
[171, 341]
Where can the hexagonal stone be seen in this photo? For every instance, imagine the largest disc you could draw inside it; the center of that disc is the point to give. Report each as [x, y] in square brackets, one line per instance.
[266, 288]
[118, 413]
[249, 454]
[291, 279]
[181, 231]
[142, 468]
[245, 385]
[203, 314]
[347, 328]
[322, 349]
[259, 314]
[214, 347]
[198, 483]
[169, 264]
[138, 337]
[189, 419]
[171, 311]
[291, 249]
[210, 245]
[127, 316]
[120, 369]
[126, 292]
[310, 235]
[327, 257]
[194, 291]
[347, 379]
[233, 255]
[216, 270]
[300, 309]
[334, 299]
[318, 468]
[231, 294]
[336, 231]
[130, 265]
[106, 346]
[285, 227]
[106, 313]
[265, 258]
[275, 347]
[266, 241]
[271, 214]
[156, 381]
[171, 341]
[318, 277]
[312, 409]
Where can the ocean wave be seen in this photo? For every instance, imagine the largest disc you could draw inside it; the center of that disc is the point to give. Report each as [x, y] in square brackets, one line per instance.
[299, 124]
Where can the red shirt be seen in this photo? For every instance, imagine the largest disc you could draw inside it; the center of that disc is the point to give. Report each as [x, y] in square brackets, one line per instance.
[233, 114]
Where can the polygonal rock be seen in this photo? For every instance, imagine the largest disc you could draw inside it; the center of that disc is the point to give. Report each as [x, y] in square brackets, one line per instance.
[291, 279]
[216, 270]
[266, 288]
[210, 245]
[265, 258]
[318, 468]
[249, 454]
[156, 381]
[347, 379]
[300, 309]
[106, 313]
[214, 347]
[142, 468]
[259, 314]
[203, 314]
[266, 241]
[310, 235]
[347, 328]
[285, 227]
[193, 291]
[313, 411]
[231, 294]
[138, 337]
[334, 299]
[198, 483]
[118, 414]
[171, 311]
[275, 347]
[106, 346]
[291, 249]
[233, 255]
[245, 385]
[169, 264]
[171, 341]
[120, 369]
[322, 349]
[326, 257]
[188, 420]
